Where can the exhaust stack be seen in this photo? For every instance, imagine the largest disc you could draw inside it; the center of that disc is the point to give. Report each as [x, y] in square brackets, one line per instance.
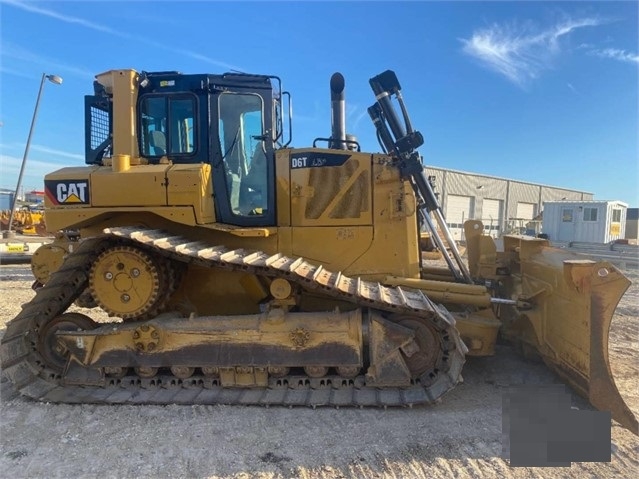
[338, 113]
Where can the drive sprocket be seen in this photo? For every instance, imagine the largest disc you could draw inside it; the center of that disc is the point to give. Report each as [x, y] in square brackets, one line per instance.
[129, 283]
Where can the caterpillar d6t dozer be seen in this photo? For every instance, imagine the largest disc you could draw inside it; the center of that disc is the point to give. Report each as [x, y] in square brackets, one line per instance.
[237, 269]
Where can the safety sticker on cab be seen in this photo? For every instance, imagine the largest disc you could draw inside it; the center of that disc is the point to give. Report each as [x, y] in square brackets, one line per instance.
[67, 192]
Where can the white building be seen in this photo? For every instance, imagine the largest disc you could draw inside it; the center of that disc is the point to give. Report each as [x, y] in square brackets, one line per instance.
[503, 205]
[585, 221]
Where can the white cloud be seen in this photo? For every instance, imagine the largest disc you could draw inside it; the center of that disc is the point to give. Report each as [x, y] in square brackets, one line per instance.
[11, 146]
[42, 149]
[519, 52]
[35, 168]
[359, 118]
[64, 154]
[33, 174]
[30, 7]
[188, 53]
[10, 71]
[316, 116]
[22, 54]
[101, 28]
[616, 54]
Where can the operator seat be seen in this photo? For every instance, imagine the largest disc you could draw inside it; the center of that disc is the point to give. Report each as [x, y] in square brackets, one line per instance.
[158, 141]
[254, 186]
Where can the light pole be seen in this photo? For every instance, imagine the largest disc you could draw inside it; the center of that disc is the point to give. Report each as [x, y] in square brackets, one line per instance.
[53, 79]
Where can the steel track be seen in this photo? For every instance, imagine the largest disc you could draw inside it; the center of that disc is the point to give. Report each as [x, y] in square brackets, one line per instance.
[23, 364]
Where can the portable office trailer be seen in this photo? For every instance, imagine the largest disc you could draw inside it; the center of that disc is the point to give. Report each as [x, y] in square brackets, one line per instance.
[584, 221]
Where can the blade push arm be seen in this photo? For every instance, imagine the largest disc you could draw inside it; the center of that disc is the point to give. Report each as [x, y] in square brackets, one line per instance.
[401, 141]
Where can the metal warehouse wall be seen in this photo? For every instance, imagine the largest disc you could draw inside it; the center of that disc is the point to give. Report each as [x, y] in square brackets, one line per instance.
[456, 183]
[632, 224]
[511, 192]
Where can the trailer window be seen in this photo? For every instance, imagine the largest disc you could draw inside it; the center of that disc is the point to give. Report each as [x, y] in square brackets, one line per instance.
[590, 214]
[616, 216]
[566, 215]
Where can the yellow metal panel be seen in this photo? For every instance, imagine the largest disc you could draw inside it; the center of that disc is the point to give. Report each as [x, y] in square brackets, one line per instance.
[271, 338]
[445, 292]
[337, 248]
[395, 249]
[79, 217]
[123, 84]
[283, 187]
[253, 232]
[391, 253]
[243, 232]
[217, 292]
[71, 173]
[478, 331]
[178, 220]
[332, 195]
[390, 248]
[191, 185]
[139, 186]
[285, 241]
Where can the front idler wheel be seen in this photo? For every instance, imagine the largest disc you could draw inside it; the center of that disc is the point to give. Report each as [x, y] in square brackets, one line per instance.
[53, 352]
[424, 362]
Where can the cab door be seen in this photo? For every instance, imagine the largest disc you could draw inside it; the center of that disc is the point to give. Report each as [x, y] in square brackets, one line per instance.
[242, 157]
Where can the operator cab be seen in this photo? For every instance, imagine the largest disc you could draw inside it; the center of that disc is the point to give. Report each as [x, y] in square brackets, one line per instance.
[224, 120]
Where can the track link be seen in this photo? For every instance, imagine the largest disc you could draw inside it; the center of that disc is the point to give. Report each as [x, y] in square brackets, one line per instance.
[24, 366]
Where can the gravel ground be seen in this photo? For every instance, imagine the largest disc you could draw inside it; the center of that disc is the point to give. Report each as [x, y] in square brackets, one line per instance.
[460, 437]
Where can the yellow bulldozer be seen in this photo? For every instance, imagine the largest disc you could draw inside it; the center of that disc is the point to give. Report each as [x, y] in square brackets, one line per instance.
[25, 221]
[239, 270]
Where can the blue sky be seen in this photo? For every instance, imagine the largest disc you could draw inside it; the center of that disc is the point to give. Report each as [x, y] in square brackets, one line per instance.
[545, 92]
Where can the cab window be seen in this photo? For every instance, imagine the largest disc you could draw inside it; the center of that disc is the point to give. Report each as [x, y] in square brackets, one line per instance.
[167, 126]
[243, 152]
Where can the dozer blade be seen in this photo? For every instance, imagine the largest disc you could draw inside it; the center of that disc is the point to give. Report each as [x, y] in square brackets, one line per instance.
[573, 301]
[603, 392]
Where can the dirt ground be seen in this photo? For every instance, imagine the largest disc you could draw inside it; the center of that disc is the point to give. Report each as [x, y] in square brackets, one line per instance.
[460, 437]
